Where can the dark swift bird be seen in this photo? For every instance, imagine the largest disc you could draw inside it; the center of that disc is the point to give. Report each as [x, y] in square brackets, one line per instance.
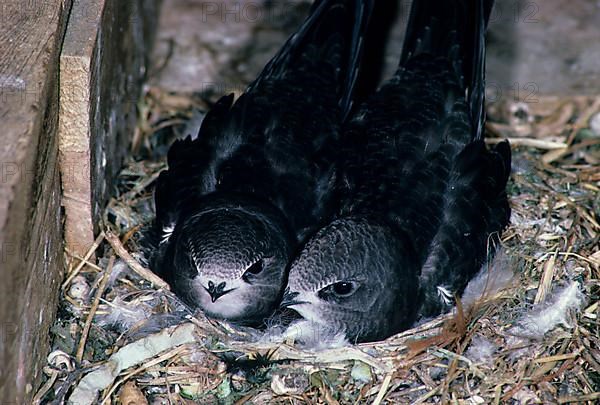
[234, 201]
[422, 197]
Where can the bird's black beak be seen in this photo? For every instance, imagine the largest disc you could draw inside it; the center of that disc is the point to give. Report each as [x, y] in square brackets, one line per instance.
[217, 291]
[289, 299]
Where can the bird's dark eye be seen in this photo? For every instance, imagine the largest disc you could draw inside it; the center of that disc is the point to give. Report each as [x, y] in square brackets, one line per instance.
[253, 270]
[343, 288]
[340, 289]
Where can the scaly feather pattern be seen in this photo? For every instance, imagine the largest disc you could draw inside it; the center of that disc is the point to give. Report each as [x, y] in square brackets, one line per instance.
[258, 177]
[416, 176]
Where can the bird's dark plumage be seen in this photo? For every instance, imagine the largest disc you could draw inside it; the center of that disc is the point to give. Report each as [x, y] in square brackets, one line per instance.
[235, 200]
[422, 199]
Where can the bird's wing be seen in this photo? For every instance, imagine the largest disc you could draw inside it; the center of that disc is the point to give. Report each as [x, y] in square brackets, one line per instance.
[418, 160]
[435, 99]
[475, 211]
[275, 141]
[453, 30]
[456, 200]
[334, 30]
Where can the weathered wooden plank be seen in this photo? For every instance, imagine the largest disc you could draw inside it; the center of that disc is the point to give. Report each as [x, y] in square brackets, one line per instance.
[102, 65]
[30, 220]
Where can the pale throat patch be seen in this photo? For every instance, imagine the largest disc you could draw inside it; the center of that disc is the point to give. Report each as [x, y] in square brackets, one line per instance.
[314, 335]
[231, 305]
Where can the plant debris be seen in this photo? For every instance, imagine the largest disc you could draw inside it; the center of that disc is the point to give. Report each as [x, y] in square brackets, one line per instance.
[533, 337]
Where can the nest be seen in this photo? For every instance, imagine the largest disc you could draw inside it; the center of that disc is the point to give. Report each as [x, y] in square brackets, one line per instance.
[535, 340]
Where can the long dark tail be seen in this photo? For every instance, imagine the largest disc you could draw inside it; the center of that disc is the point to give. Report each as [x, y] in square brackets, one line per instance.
[345, 20]
[454, 29]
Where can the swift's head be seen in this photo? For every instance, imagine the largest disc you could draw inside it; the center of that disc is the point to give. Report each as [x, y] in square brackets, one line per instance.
[230, 260]
[355, 278]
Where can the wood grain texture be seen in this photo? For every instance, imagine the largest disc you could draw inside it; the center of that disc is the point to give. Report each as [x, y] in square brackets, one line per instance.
[102, 65]
[30, 218]
[105, 65]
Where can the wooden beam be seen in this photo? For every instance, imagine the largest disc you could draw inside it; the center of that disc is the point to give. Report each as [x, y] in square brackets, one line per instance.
[30, 217]
[102, 68]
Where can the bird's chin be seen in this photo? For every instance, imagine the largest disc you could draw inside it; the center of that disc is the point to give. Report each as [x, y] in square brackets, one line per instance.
[309, 312]
[235, 307]
[315, 335]
[313, 323]
[232, 306]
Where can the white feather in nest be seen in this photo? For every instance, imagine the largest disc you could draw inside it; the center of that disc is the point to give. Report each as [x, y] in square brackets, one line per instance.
[554, 311]
[117, 272]
[306, 334]
[493, 277]
[543, 317]
[120, 313]
[123, 315]
[137, 318]
[315, 336]
[481, 350]
[490, 280]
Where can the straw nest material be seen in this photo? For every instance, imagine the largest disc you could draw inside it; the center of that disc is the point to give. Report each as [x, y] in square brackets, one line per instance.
[535, 340]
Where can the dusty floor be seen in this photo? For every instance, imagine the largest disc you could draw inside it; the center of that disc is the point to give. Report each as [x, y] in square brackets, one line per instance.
[535, 48]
